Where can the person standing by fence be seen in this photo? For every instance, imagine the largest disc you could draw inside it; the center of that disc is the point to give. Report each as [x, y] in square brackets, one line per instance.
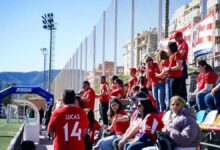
[88, 97]
[104, 100]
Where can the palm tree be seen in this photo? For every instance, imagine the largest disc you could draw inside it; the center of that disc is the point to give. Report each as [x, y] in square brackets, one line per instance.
[167, 3]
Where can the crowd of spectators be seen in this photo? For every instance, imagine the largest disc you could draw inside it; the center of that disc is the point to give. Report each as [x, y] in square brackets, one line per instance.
[131, 111]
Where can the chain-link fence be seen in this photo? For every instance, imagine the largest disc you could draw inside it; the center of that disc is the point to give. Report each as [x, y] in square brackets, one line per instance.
[126, 32]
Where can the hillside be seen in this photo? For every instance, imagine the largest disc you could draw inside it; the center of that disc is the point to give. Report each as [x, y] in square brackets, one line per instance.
[34, 78]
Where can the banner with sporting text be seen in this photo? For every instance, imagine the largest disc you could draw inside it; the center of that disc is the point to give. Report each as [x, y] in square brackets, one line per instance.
[199, 36]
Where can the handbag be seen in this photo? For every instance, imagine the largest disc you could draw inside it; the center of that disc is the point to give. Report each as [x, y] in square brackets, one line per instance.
[164, 142]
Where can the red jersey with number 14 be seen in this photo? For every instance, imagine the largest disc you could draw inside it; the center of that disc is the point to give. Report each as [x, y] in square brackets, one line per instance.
[69, 124]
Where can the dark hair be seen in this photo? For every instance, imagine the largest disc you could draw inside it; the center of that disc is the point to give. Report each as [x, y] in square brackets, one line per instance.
[103, 77]
[206, 65]
[144, 90]
[91, 118]
[86, 82]
[114, 77]
[148, 107]
[142, 80]
[120, 82]
[69, 97]
[126, 84]
[120, 106]
[136, 87]
[78, 98]
[173, 47]
[163, 55]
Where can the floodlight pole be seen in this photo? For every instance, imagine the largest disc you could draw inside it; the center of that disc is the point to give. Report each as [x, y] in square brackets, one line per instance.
[44, 52]
[49, 24]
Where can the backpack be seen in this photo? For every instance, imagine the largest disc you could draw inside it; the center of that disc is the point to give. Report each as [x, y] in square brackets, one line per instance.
[164, 142]
[27, 145]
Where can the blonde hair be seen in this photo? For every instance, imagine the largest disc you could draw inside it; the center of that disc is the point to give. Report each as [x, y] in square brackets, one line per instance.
[59, 103]
[178, 99]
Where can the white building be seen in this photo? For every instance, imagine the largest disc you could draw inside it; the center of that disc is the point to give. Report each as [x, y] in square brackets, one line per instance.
[185, 15]
[145, 43]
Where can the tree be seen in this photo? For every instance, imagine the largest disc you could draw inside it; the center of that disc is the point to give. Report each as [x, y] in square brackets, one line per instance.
[124, 77]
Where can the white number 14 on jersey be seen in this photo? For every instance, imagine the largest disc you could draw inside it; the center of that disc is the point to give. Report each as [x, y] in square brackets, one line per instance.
[74, 131]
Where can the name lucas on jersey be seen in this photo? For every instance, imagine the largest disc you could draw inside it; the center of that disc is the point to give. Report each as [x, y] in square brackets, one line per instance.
[72, 116]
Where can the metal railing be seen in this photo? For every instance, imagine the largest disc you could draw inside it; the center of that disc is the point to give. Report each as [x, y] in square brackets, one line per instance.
[17, 140]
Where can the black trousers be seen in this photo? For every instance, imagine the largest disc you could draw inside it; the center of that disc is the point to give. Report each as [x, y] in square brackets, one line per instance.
[103, 107]
[184, 71]
[178, 87]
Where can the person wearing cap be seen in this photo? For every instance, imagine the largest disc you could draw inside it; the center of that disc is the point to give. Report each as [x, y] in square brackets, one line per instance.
[158, 85]
[132, 81]
[183, 50]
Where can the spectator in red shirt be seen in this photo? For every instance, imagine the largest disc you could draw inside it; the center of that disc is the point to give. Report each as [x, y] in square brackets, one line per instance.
[163, 62]
[113, 83]
[158, 85]
[142, 81]
[104, 100]
[88, 97]
[120, 123]
[183, 50]
[68, 124]
[174, 81]
[205, 82]
[90, 133]
[132, 81]
[125, 91]
[118, 92]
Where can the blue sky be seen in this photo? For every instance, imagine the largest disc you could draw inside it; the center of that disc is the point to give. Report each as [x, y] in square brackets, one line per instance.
[22, 35]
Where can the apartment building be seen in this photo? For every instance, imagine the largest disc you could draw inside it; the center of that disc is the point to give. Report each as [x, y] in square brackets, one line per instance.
[109, 71]
[145, 44]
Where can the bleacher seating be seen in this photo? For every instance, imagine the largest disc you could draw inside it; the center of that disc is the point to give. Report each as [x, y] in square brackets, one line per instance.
[215, 126]
[200, 116]
[209, 119]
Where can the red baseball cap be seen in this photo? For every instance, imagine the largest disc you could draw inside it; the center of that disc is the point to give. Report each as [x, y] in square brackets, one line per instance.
[177, 34]
[133, 69]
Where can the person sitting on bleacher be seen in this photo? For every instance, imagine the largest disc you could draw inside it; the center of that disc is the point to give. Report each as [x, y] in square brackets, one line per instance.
[149, 96]
[205, 82]
[120, 123]
[212, 99]
[151, 123]
[136, 118]
[182, 127]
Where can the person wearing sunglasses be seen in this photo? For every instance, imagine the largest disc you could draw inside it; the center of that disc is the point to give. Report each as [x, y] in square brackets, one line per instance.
[158, 85]
[182, 127]
[151, 123]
